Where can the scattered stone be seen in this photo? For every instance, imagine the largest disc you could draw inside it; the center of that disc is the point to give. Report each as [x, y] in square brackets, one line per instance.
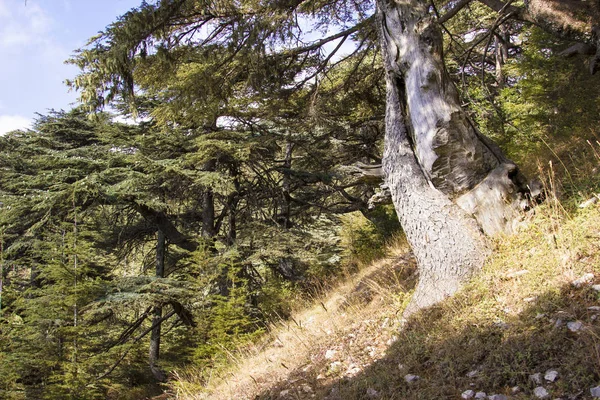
[517, 273]
[551, 375]
[473, 374]
[498, 397]
[596, 288]
[329, 354]
[353, 370]
[589, 202]
[536, 378]
[410, 378]
[284, 393]
[372, 392]
[574, 326]
[335, 367]
[515, 390]
[467, 394]
[595, 391]
[529, 299]
[541, 393]
[501, 325]
[392, 340]
[584, 280]
[540, 315]
[320, 376]
[401, 367]
[559, 322]
[306, 388]
[481, 395]
[594, 308]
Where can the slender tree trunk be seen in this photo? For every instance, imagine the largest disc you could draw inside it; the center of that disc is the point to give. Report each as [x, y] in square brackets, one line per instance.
[208, 206]
[441, 172]
[286, 186]
[154, 352]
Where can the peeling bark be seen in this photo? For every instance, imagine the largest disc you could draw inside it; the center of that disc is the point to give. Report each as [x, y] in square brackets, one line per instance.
[453, 155]
[448, 182]
[446, 241]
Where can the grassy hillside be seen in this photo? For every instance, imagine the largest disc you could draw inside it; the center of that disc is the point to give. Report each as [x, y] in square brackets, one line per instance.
[527, 312]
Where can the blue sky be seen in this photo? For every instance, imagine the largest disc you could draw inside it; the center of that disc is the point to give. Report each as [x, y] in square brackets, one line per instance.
[36, 37]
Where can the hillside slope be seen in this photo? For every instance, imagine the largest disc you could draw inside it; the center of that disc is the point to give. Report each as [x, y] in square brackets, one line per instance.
[533, 309]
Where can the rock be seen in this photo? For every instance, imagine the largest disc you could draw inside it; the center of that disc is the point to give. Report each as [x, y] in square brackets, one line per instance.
[584, 280]
[473, 374]
[320, 376]
[498, 397]
[306, 388]
[401, 367]
[594, 308]
[284, 394]
[595, 391]
[551, 375]
[517, 273]
[329, 354]
[481, 395]
[334, 367]
[574, 326]
[558, 323]
[467, 394]
[596, 288]
[589, 202]
[372, 392]
[410, 378]
[536, 378]
[353, 370]
[541, 393]
[515, 390]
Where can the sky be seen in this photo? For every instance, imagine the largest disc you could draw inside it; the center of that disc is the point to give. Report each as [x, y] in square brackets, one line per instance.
[36, 37]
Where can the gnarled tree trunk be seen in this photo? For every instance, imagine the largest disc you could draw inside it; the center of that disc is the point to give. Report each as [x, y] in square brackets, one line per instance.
[440, 170]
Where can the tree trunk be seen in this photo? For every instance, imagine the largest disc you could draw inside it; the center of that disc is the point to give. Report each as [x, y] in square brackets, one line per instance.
[154, 352]
[438, 167]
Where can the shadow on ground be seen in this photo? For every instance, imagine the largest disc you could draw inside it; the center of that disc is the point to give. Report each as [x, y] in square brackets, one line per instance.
[452, 354]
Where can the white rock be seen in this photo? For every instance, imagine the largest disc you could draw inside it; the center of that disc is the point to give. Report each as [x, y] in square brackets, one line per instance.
[551, 375]
[498, 397]
[401, 367]
[541, 393]
[472, 374]
[481, 395]
[517, 273]
[306, 388]
[372, 392]
[589, 202]
[467, 394]
[595, 391]
[594, 308]
[574, 326]
[284, 393]
[335, 367]
[536, 378]
[353, 370]
[596, 288]
[585, 279]
[410, 378]
[329, 354]
[515, 390]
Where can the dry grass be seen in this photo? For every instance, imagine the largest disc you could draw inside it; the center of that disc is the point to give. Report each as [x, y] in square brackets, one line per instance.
[508, 323]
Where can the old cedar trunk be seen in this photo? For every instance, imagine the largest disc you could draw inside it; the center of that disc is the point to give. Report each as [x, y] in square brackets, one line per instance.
[448, 183]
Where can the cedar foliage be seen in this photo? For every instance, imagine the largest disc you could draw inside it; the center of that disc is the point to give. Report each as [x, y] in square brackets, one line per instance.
[242, 159]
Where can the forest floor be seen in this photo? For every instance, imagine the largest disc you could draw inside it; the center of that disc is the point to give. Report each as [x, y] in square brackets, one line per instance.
[527, 326]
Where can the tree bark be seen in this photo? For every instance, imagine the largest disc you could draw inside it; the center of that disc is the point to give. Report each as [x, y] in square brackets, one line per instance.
[154, 352]
[441, 172]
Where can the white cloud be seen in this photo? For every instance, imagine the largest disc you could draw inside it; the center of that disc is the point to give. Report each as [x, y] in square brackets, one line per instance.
[12, 122]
